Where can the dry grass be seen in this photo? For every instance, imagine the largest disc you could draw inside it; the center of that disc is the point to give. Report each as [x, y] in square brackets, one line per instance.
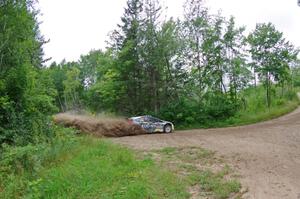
[98, 126]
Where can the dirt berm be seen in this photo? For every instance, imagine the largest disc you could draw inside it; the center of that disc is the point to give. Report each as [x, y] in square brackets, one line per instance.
[101, 126]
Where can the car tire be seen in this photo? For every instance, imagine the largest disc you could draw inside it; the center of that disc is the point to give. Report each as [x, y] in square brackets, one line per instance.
[168, 128]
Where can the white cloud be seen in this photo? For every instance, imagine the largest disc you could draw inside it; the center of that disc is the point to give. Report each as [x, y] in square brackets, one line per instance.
[77, 26]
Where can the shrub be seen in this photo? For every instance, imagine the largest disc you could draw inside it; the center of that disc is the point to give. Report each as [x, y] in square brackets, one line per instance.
[186, 111]
[219, 106]
[20, 165]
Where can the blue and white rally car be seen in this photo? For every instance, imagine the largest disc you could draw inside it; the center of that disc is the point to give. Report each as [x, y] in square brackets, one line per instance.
[151, 124]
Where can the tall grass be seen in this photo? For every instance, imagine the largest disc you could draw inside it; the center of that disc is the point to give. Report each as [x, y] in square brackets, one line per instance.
[254, 108]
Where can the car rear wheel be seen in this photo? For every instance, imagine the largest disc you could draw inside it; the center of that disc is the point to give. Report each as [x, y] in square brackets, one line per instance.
[168, 128]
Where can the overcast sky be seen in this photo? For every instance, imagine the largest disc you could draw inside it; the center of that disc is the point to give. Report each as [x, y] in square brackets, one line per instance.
[74, 27]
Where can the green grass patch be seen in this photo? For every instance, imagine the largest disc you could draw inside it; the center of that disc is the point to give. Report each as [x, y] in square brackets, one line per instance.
[104, 170]
[95, 168]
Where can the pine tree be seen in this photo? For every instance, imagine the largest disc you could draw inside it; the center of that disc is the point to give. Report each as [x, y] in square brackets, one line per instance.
[128, 58]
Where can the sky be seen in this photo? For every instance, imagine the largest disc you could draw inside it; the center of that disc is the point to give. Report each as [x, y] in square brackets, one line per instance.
[75, 27]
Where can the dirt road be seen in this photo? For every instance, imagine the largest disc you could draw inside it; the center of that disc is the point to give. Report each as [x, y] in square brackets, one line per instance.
[267, 155]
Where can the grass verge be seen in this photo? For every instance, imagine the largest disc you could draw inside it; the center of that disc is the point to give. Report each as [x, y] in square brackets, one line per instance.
[95, 168]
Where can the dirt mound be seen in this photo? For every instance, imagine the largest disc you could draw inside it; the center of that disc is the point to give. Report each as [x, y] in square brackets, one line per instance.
[109, 127]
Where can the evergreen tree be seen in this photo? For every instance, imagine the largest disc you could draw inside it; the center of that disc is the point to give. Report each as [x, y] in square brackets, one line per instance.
[128, 58]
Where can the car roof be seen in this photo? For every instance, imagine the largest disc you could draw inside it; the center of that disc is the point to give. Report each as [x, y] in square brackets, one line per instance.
[142, 116]
[145, 116]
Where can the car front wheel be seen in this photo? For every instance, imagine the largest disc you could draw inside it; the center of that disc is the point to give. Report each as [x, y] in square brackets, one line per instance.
[168, 128]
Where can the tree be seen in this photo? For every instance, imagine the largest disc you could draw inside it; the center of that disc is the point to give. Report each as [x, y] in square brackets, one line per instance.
[58, 75]
[170, 49]
[214, 51]
[88, 67]
[237, 70]
[26, 92]
[103, 92]
[295, 73]
[93, 66]
[150, 56]
[271, 55]
[128, 64]
[72, 89]
[197, 24]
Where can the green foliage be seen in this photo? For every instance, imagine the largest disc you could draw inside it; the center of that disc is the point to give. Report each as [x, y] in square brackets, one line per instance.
[40, 93]
[253, 106]
[271, 56]
[105, 94]
[58, 76]
[221, 112]
[186, 112]
[20, 166]
[72, 86]
[296, 74]
[192, 71]
[27, 93]
[24, 119]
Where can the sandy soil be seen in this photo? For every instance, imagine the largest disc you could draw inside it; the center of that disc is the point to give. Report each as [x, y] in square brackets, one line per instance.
[267, 155]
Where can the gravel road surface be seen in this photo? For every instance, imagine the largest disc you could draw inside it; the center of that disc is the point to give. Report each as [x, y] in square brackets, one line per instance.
[266, 155]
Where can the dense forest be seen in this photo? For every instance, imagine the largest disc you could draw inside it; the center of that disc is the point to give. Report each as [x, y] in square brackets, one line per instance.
[190, 70]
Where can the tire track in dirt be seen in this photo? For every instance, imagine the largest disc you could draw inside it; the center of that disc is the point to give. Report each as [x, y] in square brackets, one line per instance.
[267, 154]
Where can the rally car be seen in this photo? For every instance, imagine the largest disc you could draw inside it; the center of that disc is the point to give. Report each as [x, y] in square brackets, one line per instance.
[151, 124]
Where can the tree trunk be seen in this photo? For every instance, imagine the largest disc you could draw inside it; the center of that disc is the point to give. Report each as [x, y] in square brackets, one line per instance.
[60, 103]
[268, 90]
[282, 89]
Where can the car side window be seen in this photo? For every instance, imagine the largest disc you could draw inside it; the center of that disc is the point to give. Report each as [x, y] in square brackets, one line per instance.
[138, 120]
[153, 119]
[144, 119]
